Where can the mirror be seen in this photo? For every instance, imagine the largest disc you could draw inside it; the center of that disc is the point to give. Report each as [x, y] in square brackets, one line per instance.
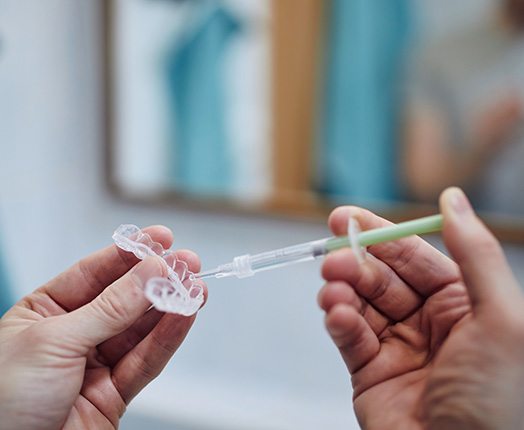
[293, 107]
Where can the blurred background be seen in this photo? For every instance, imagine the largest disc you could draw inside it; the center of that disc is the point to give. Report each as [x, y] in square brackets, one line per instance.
[122, 111]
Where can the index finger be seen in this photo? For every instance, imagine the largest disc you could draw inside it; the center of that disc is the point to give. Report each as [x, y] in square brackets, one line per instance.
[418, 263]
[90, 276]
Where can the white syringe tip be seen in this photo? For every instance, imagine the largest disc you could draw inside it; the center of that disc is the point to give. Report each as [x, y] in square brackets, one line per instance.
[242, 266]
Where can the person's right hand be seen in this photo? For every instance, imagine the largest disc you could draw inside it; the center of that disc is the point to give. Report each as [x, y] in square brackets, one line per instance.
[429, 343]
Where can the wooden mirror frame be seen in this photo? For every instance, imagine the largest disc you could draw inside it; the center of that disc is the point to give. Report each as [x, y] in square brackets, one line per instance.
[294, 90]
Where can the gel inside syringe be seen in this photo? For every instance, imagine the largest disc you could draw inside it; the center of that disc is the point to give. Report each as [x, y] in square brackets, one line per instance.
[247, 265]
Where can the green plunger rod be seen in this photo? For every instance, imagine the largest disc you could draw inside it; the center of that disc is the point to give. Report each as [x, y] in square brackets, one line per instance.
[430, 224]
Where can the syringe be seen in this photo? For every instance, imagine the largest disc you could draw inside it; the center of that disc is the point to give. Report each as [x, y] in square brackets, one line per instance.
[247, 265]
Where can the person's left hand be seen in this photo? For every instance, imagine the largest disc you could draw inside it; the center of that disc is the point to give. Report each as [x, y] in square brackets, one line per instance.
[77, 350]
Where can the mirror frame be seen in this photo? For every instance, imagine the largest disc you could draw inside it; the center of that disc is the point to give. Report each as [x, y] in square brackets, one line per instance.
[296, 203]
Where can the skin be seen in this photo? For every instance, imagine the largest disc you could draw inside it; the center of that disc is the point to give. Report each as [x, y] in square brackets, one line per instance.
[430, 343]
[77, 350]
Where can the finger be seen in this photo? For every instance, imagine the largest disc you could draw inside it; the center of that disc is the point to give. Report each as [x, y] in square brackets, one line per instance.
[86, 279]
[191, 258]
[115, 348]
[354, 338]
[117, 308]
[441, 312]
[414, 260]
[112, 350]
[484, 268]
[375, 281]
[145, 362]
[337, 292]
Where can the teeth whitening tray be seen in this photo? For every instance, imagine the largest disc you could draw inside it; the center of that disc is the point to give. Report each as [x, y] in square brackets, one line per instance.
[182, 293]
[179, 293]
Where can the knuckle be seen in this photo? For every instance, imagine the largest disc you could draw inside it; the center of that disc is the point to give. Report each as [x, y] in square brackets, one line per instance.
[165, 348]
[405, 256]
[144, 368]
[379, 284]
[88, 275]
[110, 307]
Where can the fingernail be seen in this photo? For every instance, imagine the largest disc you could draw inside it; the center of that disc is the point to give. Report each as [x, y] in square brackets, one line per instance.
[458, 201]
[147, 269]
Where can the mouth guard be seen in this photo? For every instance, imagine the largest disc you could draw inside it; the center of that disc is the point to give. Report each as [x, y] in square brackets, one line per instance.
[179, 293]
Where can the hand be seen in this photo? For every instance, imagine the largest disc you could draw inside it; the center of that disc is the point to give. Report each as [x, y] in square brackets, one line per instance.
[494, 125]
[77, 350]
[429, 343]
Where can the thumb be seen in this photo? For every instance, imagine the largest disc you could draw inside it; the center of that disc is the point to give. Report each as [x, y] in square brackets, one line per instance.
[484, 268]
[117, 307]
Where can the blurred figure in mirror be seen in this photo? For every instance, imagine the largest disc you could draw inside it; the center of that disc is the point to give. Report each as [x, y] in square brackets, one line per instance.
[464, 114]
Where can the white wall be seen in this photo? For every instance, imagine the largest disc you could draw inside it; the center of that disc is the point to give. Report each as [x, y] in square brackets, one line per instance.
[258, 356]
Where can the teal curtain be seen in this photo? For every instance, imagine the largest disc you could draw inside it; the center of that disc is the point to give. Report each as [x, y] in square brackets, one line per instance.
[359, 123]
[5, 295]
[200, 161]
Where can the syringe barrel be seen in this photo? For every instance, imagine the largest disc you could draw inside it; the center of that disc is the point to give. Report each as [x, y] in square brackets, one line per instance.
[291, 254]
[247, 265]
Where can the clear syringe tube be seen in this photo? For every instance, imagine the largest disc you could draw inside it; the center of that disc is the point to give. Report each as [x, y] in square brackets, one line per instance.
[247, 265]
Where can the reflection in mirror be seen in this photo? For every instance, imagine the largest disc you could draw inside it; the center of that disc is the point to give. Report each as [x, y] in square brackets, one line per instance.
[191, 86]
[464, 111]
[299, 105]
